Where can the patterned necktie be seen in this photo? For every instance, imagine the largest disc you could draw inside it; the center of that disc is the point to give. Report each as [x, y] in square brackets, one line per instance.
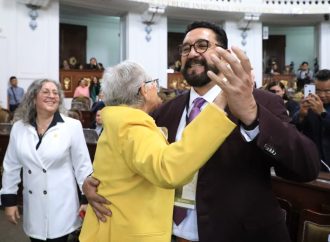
[179, 213]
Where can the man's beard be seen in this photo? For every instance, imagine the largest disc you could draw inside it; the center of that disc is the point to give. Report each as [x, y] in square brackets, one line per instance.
[198, 80]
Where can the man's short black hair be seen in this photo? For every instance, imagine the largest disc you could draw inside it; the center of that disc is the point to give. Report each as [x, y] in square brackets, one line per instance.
[304, 62]
[323, 75]
[12, 78]
[219, 32]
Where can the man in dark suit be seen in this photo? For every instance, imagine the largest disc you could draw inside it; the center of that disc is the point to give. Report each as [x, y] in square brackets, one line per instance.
[234, 199]
[313, 118]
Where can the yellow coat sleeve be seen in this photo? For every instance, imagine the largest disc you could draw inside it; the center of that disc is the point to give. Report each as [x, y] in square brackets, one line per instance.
[147, 152]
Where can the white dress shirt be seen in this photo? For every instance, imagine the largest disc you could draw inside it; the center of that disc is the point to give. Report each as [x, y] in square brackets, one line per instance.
[187, 229]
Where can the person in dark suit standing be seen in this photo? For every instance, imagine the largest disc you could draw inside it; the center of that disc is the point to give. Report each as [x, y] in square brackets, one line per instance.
[313, 117]
[233, 196]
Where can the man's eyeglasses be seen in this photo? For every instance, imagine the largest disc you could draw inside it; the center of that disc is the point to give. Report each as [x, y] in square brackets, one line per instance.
[274, 91]
[156, 81]
[200, 46]
[326, 91]
[47, 93]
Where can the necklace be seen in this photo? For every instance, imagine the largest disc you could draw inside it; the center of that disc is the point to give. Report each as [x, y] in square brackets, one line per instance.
[42, 129]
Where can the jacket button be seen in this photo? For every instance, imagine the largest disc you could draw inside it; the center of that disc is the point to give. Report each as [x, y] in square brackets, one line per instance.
[30, 191]
[29, 171]
[44, 171]
[45, 192]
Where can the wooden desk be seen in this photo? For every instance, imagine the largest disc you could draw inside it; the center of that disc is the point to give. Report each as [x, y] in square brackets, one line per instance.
[313, 195]
[291, 79]
[70, 78]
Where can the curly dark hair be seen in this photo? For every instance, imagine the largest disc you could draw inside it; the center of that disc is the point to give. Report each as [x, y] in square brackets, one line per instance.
[219, 32]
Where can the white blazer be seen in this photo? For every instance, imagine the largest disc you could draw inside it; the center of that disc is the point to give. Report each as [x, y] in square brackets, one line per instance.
[50, 176]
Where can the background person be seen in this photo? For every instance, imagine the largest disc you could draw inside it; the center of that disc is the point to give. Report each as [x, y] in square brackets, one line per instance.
[14, 94]
[94, 89]
[304, 75]
[234, 196]
[278, 88]
[51, 151]
[313, 118]
[134, 161]
[82, 89]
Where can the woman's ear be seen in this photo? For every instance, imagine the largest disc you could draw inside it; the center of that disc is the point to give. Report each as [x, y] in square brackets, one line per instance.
[144, 91]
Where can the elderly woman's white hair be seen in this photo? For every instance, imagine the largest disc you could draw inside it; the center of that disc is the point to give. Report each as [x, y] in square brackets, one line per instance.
[121, 84]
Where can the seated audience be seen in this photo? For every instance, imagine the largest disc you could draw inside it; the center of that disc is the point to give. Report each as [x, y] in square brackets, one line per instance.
[134, 161]
[272, 69]
[65, 65]
[51, 152]
[75, 114]
[313, 118]
[93, 65]
[99, 103]
[278, 88]
[81, 103]
[98, 125]
[82, 89]
[14, 94]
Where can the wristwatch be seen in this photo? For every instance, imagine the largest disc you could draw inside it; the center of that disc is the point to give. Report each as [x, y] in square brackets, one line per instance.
[323, 114]
[252, 126]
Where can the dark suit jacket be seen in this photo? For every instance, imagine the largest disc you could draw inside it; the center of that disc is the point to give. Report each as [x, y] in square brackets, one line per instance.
[234, 198]
[318, 129]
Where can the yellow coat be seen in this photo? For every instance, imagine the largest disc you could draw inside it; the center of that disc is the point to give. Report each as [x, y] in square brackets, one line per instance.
[138, 170]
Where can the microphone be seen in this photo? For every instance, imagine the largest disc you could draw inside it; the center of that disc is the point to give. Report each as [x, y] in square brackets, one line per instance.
[326, 166]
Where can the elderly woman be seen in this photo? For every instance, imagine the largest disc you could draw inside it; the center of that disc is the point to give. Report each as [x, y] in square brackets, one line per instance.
[136, 166]
[51, 150]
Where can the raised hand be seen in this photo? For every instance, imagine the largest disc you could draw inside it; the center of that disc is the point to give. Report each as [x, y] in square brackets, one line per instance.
[236, 82]
[316, 103]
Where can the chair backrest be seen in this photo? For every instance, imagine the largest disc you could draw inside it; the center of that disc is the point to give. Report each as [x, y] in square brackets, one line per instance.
[287, 210]
[5, 116]
[81, 103]
[313, 226]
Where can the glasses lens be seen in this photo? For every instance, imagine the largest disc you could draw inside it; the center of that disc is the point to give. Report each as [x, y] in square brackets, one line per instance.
[157, 84]
[201, 46]
[184, 49]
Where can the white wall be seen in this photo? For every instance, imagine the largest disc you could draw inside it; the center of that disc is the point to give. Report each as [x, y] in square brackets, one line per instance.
[103, 36]
[253, 47]
[324, 40]
[300, 44]
[26, 53]
[153, 54]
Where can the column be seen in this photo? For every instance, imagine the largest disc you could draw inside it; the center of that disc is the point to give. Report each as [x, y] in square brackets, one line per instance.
[150, 53]
[251, 44]
[28, 54]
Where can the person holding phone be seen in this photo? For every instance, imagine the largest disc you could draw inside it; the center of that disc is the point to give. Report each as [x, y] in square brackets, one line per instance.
[313, 117]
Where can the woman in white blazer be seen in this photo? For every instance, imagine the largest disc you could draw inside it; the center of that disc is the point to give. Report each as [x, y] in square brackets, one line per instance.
[51, 150]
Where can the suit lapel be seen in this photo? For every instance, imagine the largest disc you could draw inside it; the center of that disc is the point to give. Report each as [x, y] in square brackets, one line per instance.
[177, 108]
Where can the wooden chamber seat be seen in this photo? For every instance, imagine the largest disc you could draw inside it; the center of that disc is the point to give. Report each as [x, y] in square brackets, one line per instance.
[313, 226]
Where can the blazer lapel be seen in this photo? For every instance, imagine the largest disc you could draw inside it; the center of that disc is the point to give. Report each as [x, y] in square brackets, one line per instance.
[179, 105]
